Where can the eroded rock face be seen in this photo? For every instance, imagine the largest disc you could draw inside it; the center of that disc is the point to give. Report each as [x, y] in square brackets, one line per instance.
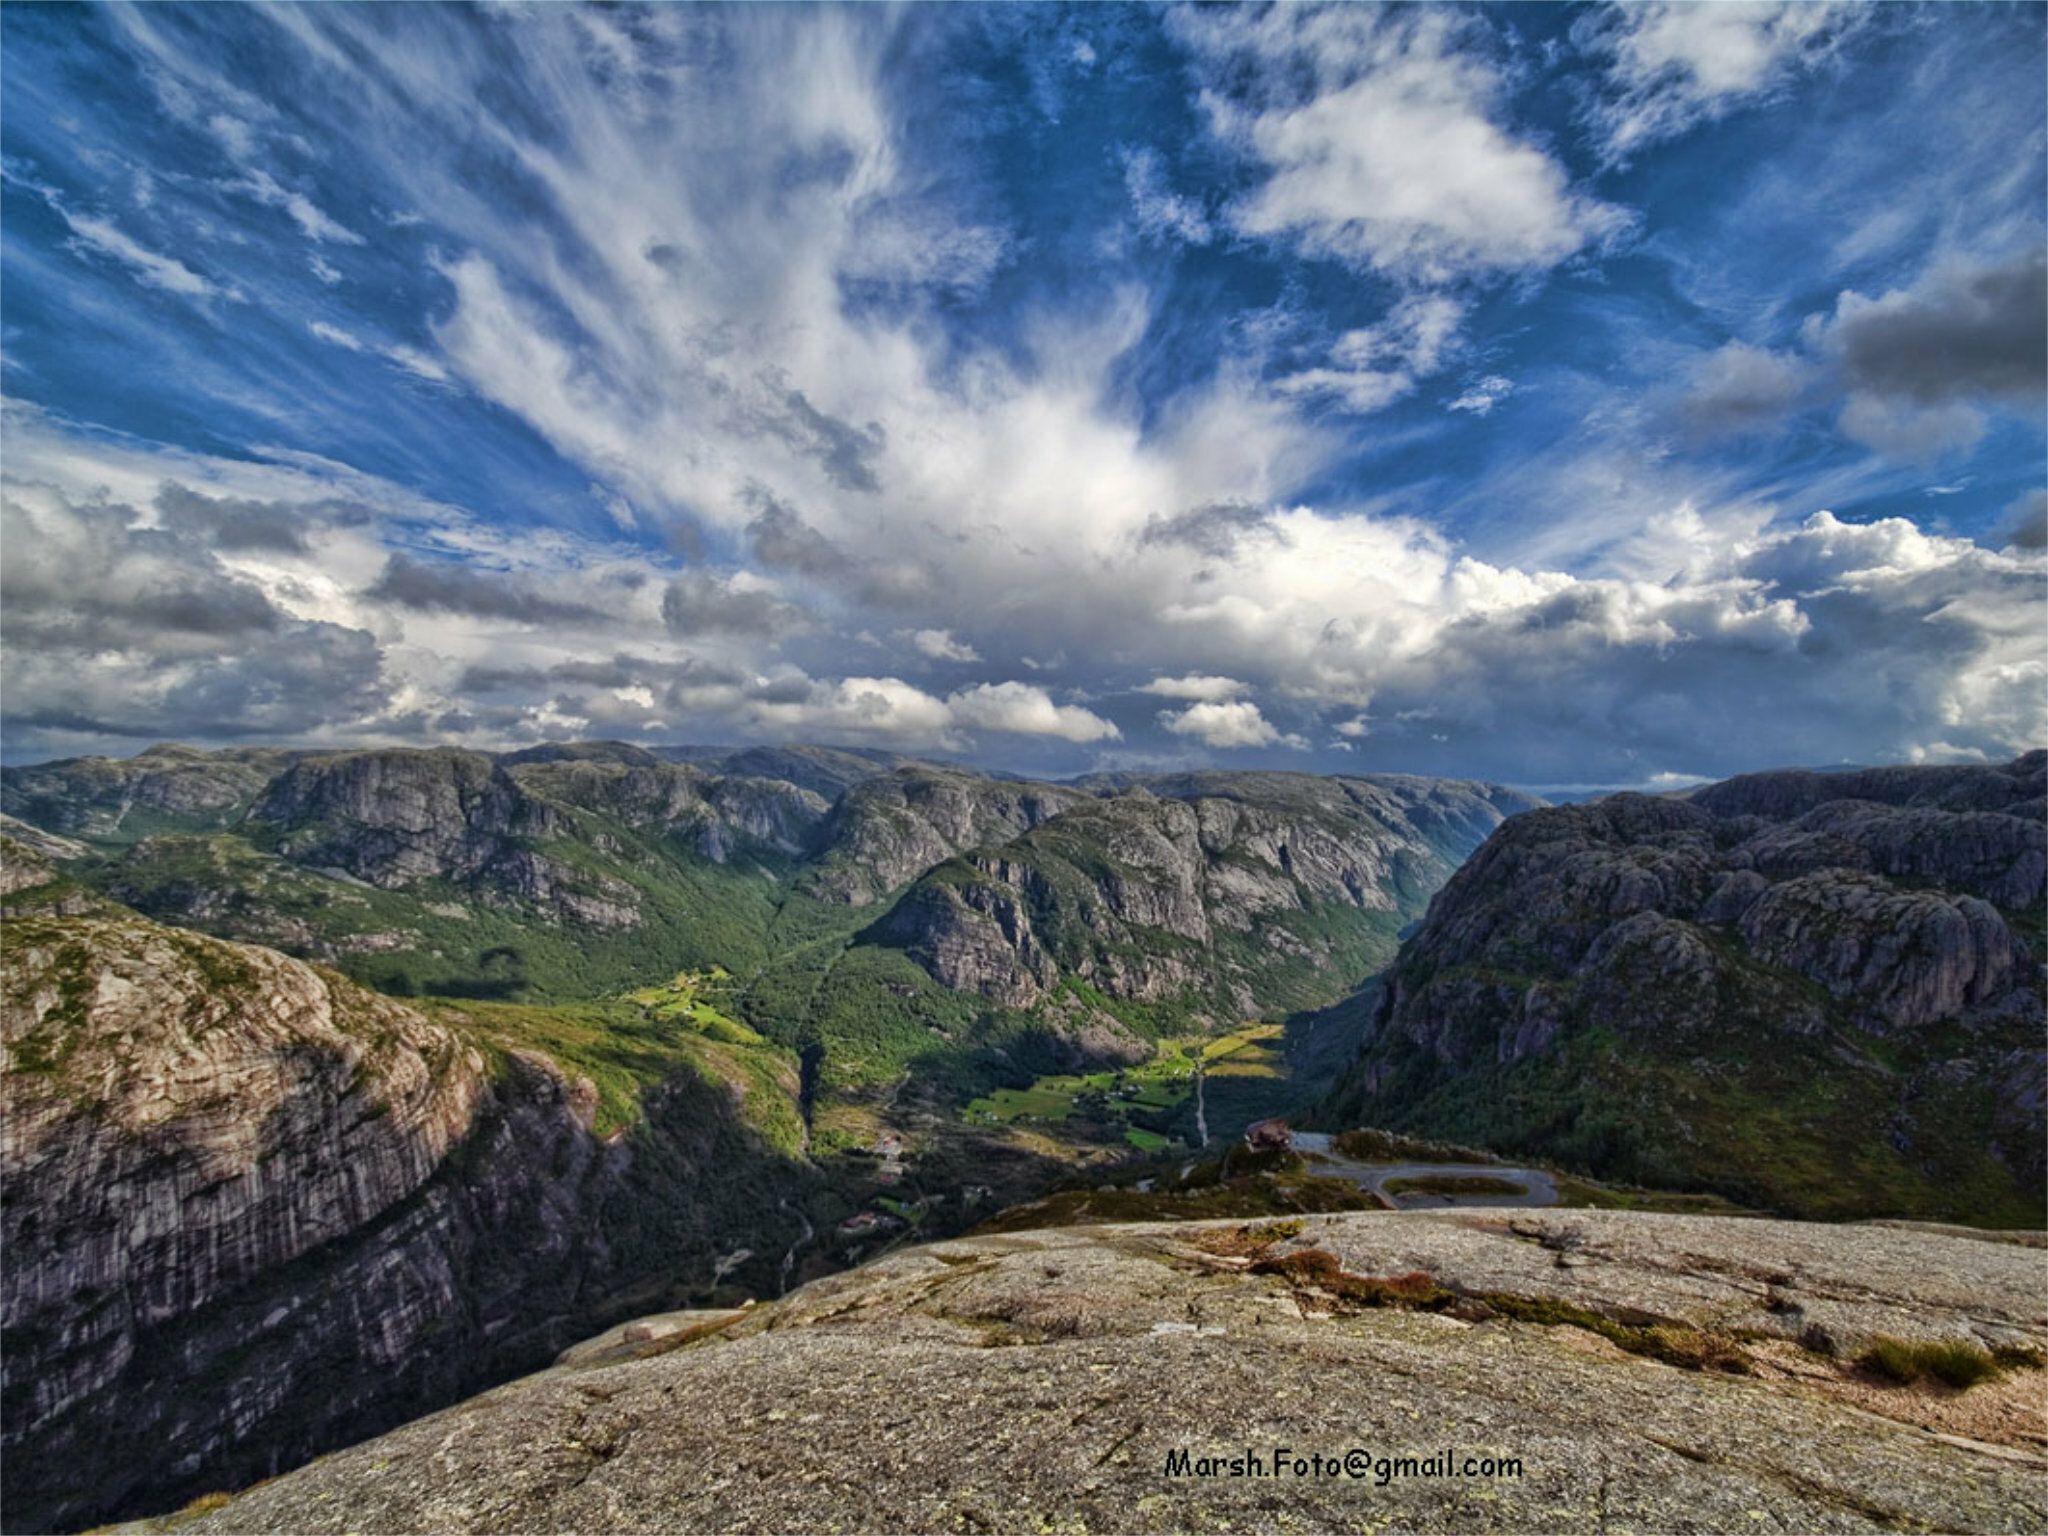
[106, 797]
[1042, 1381]
[1147, 896]
[1766, 939]
[250, 1209]
[889, 829]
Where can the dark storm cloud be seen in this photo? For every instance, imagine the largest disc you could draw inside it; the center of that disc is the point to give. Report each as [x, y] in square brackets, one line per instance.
[119, 630]
[444, 587]
[1961, 333]
[622, 671]
[91, 578]
[700, 603]
[1214, 530]
[2027, 521]
[846, 453]
[234, 523]
[783, 541]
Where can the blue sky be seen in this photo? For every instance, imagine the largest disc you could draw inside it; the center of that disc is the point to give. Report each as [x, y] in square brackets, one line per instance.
[1554, 394]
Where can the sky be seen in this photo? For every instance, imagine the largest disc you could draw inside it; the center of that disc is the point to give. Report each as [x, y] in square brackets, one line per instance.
[1561, 395]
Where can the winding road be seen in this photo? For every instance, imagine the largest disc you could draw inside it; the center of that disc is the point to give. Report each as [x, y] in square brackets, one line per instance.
[1538, 1187]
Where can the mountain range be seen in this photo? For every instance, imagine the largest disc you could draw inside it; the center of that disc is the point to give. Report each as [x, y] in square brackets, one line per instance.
[344, 1084]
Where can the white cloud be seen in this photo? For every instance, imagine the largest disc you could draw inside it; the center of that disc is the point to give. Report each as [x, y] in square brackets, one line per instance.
[313, 224]
[1377, 365]
[1223, 726]
[940, 645]
[1483, 395]
[1676, 63]
[414, 361]
[149, 267]
[1158, 209]
[1204, 688]
[1027, 710]
[325, 270]
[335, 334]
[1381, 132]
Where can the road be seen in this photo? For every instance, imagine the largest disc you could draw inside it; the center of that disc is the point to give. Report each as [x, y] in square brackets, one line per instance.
[1538, 1187]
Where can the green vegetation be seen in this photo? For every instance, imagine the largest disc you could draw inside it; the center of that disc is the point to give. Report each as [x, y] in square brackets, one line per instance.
[688, 999]
[1957, 1362]
[1367, 1145]
[1775, 1120]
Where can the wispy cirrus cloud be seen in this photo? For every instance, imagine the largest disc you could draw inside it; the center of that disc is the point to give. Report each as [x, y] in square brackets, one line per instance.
[1126, 385]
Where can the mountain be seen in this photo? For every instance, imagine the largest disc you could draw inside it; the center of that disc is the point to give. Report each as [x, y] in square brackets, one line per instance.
[1241, 891]
[252, 1210]
[580, 870]
[1639, 1371]
[1818, 993]
[614, 1032]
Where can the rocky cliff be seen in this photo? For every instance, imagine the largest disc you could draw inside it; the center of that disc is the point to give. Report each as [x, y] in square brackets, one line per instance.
[252, 1211]
[1548, 1371]
[888, 829]
[1822, 992]
[1247, 891]
[167, 788]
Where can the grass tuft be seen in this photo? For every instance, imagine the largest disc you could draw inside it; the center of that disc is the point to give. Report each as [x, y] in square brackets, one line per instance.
[1957, 1362]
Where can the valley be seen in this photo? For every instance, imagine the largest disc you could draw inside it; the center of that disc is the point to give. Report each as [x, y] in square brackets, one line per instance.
[625, 1036]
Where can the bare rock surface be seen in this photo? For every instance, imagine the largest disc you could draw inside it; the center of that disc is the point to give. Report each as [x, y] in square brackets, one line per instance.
[1051, 1380]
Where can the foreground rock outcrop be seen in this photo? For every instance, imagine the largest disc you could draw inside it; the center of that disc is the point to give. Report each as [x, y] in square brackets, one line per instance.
[1053, 1380]
[1821, 993]
[252, 1211]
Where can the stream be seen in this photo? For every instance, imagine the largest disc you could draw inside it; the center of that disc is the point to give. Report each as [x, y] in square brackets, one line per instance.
[789, 1258]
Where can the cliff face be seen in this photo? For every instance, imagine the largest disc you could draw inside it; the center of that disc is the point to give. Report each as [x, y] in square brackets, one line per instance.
[1250, 892]
[252, 1211]
[166, 788]
[889, 829]
[1864, 946]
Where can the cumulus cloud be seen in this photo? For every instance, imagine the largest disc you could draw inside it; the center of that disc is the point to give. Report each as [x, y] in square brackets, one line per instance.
[940, 645]
[117, 629]
[701, 602]
[1027, 710]
[1226, 725]
[1208, 689]
[1742, 388]
[2026, 521]
[1383, 141]
[1673, 64]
